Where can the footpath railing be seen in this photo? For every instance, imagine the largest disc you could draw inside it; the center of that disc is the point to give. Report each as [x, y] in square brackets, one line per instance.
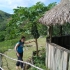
[21, 61]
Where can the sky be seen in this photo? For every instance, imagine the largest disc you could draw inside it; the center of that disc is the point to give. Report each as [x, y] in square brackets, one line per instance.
[9, 5]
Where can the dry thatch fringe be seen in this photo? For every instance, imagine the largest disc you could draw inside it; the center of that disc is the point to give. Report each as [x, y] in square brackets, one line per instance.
[60, 14]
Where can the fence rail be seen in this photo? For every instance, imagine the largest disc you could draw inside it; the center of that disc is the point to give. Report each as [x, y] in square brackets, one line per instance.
[21, 61]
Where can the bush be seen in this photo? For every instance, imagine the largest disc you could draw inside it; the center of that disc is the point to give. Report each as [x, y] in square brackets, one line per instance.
[39, 61]
[2, 38]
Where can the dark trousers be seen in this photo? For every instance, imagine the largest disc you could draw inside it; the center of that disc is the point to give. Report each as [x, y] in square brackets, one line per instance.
[20, 57]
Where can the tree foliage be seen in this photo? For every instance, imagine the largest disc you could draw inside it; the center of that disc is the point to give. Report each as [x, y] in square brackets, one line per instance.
[23, 19]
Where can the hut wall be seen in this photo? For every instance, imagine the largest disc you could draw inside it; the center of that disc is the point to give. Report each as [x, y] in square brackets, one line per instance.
[57, 57]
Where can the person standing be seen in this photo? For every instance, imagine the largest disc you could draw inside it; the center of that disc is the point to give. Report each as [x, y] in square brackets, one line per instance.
[19, 51]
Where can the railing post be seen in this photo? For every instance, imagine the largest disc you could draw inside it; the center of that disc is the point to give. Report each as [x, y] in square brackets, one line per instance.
[0, 60]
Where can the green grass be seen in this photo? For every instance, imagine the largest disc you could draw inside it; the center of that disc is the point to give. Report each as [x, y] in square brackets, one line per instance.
[27, 52]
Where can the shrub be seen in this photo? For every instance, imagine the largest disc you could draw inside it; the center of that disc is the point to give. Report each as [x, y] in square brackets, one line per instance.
[39, 61]
[2, 38]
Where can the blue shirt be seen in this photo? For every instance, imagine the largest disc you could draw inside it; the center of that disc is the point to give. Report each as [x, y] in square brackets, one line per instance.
[20, 47]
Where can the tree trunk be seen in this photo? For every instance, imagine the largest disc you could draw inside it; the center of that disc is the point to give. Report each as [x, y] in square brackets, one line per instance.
[36, 47]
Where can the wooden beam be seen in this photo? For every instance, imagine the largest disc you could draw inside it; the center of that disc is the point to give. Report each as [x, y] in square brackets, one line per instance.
[49, 33]
[60, 30]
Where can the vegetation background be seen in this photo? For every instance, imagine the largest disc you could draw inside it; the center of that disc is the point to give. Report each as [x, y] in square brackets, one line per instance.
[24, 21]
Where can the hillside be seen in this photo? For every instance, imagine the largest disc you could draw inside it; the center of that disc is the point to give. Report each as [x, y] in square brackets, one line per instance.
[4, 18]
[28, 50]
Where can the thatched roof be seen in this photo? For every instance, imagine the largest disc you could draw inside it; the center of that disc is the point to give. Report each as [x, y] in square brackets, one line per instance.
[60, 14]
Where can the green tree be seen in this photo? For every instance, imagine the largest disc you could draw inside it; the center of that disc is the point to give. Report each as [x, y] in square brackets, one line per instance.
[29, 16]
[34, 32]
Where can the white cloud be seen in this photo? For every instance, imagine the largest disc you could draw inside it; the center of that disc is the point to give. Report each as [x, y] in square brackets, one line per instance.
[34, 1]
[10, 4]
[14, 3]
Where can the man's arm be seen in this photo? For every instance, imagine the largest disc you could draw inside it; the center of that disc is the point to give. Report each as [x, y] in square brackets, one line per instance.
[16, 48]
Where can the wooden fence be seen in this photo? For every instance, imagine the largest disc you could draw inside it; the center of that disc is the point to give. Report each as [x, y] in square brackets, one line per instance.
[57, 57]
[25, 63]
[0, 61]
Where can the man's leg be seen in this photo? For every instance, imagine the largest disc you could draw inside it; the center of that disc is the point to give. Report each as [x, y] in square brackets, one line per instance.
[21, 64]
[18, 63]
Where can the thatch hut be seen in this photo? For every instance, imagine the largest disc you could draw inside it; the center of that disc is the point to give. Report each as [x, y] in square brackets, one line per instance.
[60, 14]
[58, 48]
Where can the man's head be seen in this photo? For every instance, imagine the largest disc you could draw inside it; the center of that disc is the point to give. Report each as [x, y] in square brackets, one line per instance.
[22, 39]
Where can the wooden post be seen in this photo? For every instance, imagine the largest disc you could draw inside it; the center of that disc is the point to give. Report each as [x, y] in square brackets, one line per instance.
[49, 33]
[0, 61]
[60, 30]
[51, 29]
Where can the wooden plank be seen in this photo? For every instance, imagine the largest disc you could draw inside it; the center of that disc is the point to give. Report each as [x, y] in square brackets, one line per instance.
[56, 59]
[52, 58]
[61, 59]
[69, 63]
[49, 56]
[47, 50]
[65, 60]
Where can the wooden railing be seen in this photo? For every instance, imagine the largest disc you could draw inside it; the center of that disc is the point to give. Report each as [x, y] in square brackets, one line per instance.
[57, 57]
[32, 65]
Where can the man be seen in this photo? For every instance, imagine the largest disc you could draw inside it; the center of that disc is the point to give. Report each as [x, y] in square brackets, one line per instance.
[19, 51]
